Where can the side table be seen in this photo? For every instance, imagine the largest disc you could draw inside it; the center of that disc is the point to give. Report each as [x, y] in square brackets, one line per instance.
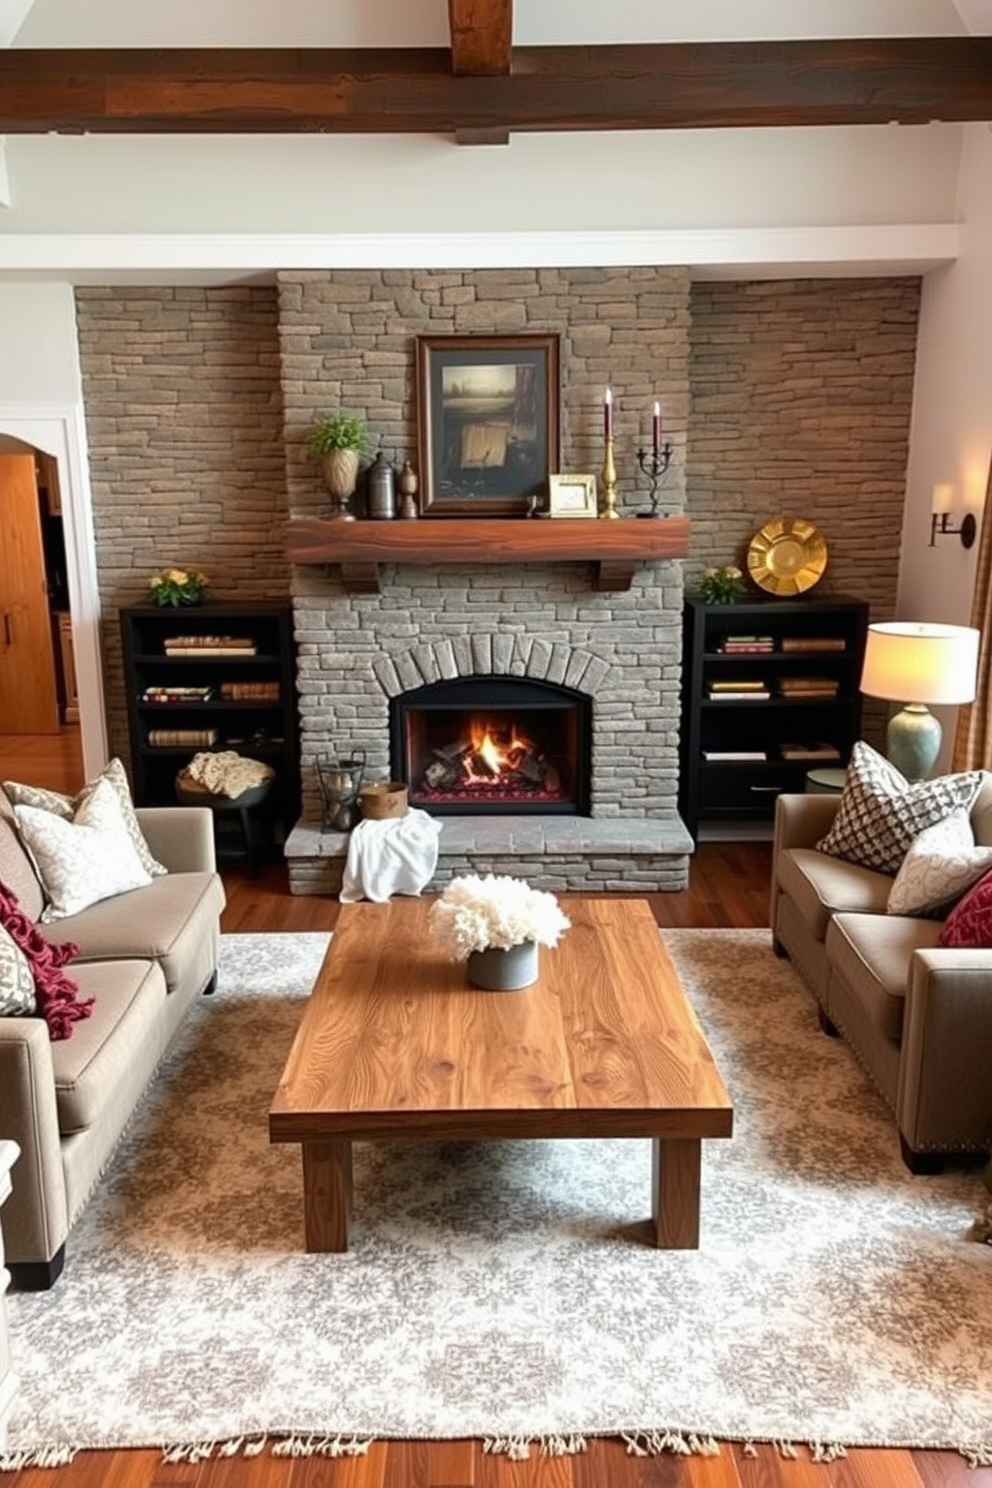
[9, 1153]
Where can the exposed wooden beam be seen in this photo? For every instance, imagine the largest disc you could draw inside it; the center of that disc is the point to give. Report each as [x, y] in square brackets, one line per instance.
[351, 91]
[481, 37]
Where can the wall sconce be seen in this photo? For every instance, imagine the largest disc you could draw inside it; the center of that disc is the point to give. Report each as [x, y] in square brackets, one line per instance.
[940, 519]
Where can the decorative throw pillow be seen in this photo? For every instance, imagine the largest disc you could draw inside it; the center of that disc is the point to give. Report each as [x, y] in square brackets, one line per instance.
[67, 806]
[17, 997]
[57, 997]
[969, 924]
[940, 864]
[84, 860]
[880, 813]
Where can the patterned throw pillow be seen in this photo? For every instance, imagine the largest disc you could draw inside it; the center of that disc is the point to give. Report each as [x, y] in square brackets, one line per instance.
[880, 813]
[84, 860]
[969, 924]
[940, 865]
[17, 997]
[67, 806]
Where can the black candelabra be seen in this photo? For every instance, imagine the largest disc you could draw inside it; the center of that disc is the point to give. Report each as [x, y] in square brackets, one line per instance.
[654, 464]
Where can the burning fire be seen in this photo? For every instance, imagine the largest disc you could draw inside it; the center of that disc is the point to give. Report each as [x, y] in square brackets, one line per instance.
[499, 758]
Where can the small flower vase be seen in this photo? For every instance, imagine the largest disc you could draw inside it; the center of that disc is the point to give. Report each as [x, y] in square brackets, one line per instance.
[496, 970]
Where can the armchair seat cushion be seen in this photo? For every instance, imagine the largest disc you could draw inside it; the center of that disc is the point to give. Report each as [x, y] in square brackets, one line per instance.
[872, 953]
[107, 1049]
[820, 886]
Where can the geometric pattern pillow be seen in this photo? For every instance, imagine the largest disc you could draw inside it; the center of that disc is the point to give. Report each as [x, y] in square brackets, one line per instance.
[84, 860]
[67, 806]
[879, 813]
[941, 863]
[17, 997]
[969, 924]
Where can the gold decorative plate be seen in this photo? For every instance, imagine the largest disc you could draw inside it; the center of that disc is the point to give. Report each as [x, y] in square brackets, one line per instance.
[787, 556]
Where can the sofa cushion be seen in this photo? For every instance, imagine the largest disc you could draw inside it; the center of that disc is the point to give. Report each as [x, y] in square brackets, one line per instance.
[160, 922]
[880, 813]
[17, 999]
[123, 1031]
[941, 864]
[67, 806]
[16, 867]
[969, 924]
[820, 885]
[80, 861]
[871, 952]
[57, 996]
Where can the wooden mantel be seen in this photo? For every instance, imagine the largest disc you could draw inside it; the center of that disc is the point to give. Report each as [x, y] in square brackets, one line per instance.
[615, 547]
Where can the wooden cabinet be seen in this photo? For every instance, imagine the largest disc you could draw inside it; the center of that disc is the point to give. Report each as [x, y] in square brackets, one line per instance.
[770, 690]
[28, 697]
[212, 695]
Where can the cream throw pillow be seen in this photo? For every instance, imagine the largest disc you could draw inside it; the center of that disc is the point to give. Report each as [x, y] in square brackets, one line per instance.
[84, 860]
[17, 997]
[67, 806]
[942, 862]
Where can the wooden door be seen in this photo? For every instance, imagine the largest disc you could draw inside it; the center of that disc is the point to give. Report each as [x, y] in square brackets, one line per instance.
[28, 699]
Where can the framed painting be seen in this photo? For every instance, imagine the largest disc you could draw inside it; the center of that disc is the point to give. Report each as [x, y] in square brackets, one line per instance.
[487, 423]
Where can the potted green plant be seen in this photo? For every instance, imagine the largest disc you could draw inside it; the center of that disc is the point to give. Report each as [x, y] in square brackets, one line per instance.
[337, 442]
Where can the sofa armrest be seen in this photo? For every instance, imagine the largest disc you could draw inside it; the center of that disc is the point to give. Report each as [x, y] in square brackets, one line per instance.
[180, 837]
[944, 1099]
[35, 1217]
[800, 821]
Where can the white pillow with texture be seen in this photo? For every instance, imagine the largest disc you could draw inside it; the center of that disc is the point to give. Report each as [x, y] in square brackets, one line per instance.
[84, 860]
[942, 862]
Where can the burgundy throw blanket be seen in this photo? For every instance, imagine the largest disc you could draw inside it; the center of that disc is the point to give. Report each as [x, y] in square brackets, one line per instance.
[58, 997]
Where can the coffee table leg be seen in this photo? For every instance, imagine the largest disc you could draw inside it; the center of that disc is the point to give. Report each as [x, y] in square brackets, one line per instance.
[326, 1195]
[675, 1165]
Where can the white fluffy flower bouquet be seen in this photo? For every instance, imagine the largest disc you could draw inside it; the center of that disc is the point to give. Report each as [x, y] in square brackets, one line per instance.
[475, 914]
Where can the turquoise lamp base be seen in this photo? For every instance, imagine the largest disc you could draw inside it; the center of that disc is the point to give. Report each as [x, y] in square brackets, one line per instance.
[913, 741]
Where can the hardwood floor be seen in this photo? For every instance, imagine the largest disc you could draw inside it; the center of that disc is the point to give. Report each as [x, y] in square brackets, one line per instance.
[728, 887]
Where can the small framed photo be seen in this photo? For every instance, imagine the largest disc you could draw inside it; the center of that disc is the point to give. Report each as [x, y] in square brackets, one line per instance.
[572, 496]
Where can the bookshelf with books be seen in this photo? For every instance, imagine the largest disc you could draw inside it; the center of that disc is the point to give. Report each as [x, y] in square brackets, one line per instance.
[770, 689]
[212, 677]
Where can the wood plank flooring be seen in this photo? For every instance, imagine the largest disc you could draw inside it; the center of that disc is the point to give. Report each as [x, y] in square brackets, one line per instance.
[728, 887]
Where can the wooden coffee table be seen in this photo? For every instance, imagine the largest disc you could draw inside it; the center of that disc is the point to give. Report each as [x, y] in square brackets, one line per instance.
[395, 1044]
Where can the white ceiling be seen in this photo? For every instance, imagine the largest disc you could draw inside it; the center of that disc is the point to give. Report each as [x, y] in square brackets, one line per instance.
[109, 208]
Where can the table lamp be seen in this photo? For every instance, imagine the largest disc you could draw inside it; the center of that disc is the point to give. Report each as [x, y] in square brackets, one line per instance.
[907, 660]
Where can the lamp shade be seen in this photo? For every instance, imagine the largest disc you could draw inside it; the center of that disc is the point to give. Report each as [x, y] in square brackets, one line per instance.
[910, 662]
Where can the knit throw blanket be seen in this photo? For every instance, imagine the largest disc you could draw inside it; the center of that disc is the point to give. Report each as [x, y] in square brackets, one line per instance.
[227, 773]
[57, 995]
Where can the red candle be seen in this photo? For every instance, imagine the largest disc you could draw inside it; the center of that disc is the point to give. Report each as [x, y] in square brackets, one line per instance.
[656, 429]
[608, 414]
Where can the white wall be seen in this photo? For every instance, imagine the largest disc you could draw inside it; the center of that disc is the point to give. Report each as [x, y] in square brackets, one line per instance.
[41, 403]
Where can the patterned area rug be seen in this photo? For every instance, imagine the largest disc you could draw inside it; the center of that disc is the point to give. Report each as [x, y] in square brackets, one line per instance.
[506, 1291]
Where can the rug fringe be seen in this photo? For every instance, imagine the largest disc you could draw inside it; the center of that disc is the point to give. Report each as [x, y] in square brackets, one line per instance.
[252, 1446]
[322, 1446]
[40, 1457]
[654, 1443]
[980, 1456]
[517, 1448]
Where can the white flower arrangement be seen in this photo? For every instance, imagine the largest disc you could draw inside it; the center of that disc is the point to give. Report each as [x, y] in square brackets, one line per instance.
[474, 914]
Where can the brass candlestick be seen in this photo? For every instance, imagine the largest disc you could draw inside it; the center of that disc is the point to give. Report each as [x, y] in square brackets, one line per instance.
[609, 481]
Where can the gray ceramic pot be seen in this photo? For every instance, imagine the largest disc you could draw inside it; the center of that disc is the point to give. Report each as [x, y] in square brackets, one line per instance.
[495, 970]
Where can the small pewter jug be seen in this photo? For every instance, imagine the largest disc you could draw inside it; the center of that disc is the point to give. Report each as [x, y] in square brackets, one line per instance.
[381, 489]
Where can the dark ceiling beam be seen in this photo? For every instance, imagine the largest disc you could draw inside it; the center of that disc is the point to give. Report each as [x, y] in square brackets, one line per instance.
[481, 37]
[378, 91]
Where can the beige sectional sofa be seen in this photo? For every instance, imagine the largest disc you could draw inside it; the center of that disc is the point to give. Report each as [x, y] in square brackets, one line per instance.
[144, 956]
[917, 1015]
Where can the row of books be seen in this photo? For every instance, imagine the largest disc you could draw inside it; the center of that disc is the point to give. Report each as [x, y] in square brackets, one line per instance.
[787, 687]
[177, 694]
[231, 692]
[159, 738]
[764, 645]
[821, 752]
[206, 645]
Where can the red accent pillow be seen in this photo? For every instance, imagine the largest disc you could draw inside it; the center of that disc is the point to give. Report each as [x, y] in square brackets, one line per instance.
[58, 997]
[969, 923]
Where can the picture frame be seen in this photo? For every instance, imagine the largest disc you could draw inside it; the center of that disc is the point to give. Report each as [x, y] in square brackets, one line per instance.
[572, 495]
[487, 423]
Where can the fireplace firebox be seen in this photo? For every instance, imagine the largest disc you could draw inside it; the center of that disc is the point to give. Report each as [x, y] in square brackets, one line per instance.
[493, 745]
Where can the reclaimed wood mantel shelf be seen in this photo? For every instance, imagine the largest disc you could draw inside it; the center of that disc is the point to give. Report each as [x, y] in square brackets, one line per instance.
[615, 547]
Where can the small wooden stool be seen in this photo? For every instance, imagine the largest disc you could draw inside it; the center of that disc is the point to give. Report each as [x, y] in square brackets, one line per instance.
[191, 793]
